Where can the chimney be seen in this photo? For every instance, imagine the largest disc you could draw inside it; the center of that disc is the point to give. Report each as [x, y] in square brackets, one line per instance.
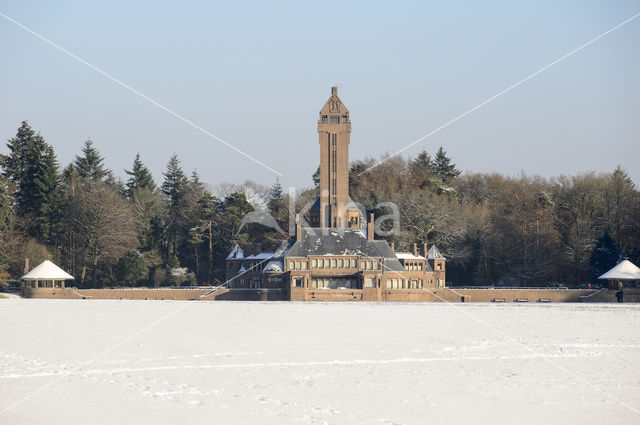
[26, 265]
[334, 91]
[415, 249]
[425, 249]
[298, 228]
[371, 227]
[393, 247]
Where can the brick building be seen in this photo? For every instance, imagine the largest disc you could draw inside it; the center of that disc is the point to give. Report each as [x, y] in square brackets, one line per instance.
[336, 257]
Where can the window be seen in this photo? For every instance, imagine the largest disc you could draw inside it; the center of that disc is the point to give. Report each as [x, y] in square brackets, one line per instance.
[369, 282]
[304, 265]
[353, 263]
[314, 263]
[439, 266]
[333, 263]
[298, 265]
[324, 119]
[335, 120]
[344, 118]
[298, 282]
[340, 263]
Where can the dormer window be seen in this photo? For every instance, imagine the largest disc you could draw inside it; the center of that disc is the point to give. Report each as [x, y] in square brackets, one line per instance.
[324, 119]
[344, 118]
[335, 120]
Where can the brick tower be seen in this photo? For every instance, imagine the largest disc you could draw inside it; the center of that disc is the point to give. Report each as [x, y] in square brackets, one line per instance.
[334, 130]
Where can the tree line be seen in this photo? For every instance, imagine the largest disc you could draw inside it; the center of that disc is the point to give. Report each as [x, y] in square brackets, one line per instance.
[494, 229]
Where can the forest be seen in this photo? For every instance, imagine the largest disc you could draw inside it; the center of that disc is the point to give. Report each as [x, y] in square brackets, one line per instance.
[493, 229]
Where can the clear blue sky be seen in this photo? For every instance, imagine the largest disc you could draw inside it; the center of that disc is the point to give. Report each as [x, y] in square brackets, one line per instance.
[257, 73]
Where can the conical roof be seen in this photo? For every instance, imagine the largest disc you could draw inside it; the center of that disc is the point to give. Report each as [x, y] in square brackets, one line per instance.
[47, 271]
[434, 253]
[624, 270]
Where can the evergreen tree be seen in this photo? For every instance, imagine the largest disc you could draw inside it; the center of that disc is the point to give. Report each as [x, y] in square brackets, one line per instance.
[14, 165]
[33, 169]
[6, 212]
[91, 165]
[316, 178]
[175, 188]
[140, 177]
[131, 268]
[175, 182]
[47, 196]
[604, 255]
[276, 198]
[444, 168]
[422, 169]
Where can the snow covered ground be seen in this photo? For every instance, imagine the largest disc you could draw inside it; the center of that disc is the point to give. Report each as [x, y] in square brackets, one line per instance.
[171, 362]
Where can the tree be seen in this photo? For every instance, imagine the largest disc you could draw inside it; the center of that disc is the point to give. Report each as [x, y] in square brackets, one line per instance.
[444, 168]
[604, 255]
[422, 169]
[131, 268]
[33, 169]
[6, 212]
[101, 224]
[316, 178]
[619, 196]
[175, 188]
[140, 177]
[91, 164]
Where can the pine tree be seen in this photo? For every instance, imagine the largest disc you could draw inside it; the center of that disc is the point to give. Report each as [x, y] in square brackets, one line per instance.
[6, 212]
[316, 178]
[91, 165]
[47, 196]
[175, 182]
[444, 168]
[604, 255]
[140, 178]
[33, 169]
[14, 164]
[422, 169]
[276, 197]
[175, 187]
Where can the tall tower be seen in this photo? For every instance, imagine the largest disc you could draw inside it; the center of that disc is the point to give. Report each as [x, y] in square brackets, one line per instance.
[334, 130]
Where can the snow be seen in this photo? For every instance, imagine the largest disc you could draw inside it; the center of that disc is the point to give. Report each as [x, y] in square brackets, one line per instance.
[624, 270]
[47, 271]
[408, 256]
[168, 362]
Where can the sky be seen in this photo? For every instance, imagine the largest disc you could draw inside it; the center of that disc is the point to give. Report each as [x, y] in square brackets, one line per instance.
[255, 74]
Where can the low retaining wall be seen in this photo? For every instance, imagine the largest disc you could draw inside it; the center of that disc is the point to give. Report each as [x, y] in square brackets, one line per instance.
[368, 294]
[185, 294]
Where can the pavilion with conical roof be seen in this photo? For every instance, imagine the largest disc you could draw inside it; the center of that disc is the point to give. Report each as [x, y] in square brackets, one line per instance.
[46, 275]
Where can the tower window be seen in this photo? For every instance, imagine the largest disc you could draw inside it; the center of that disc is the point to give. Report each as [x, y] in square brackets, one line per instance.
[324, 118]
[335, 120]
[344, 118]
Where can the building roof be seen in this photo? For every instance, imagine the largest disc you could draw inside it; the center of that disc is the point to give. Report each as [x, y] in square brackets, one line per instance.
[343, 242]
[434, 253]
[259, 256]
[236, 253]
[624, 270]
[408, 256]
[47, 271]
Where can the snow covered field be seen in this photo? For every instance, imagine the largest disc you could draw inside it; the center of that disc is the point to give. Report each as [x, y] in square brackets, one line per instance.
[86, 362]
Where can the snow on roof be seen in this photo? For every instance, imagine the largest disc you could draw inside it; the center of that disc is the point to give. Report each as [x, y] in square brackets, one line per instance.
[47, 271]
[274, 266]
[624, 270]
[434, 253]
[236, 253]
[408, 256]
[260, 256]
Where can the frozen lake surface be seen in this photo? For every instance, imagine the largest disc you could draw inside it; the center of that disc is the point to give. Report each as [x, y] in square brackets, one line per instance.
[171, 362]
